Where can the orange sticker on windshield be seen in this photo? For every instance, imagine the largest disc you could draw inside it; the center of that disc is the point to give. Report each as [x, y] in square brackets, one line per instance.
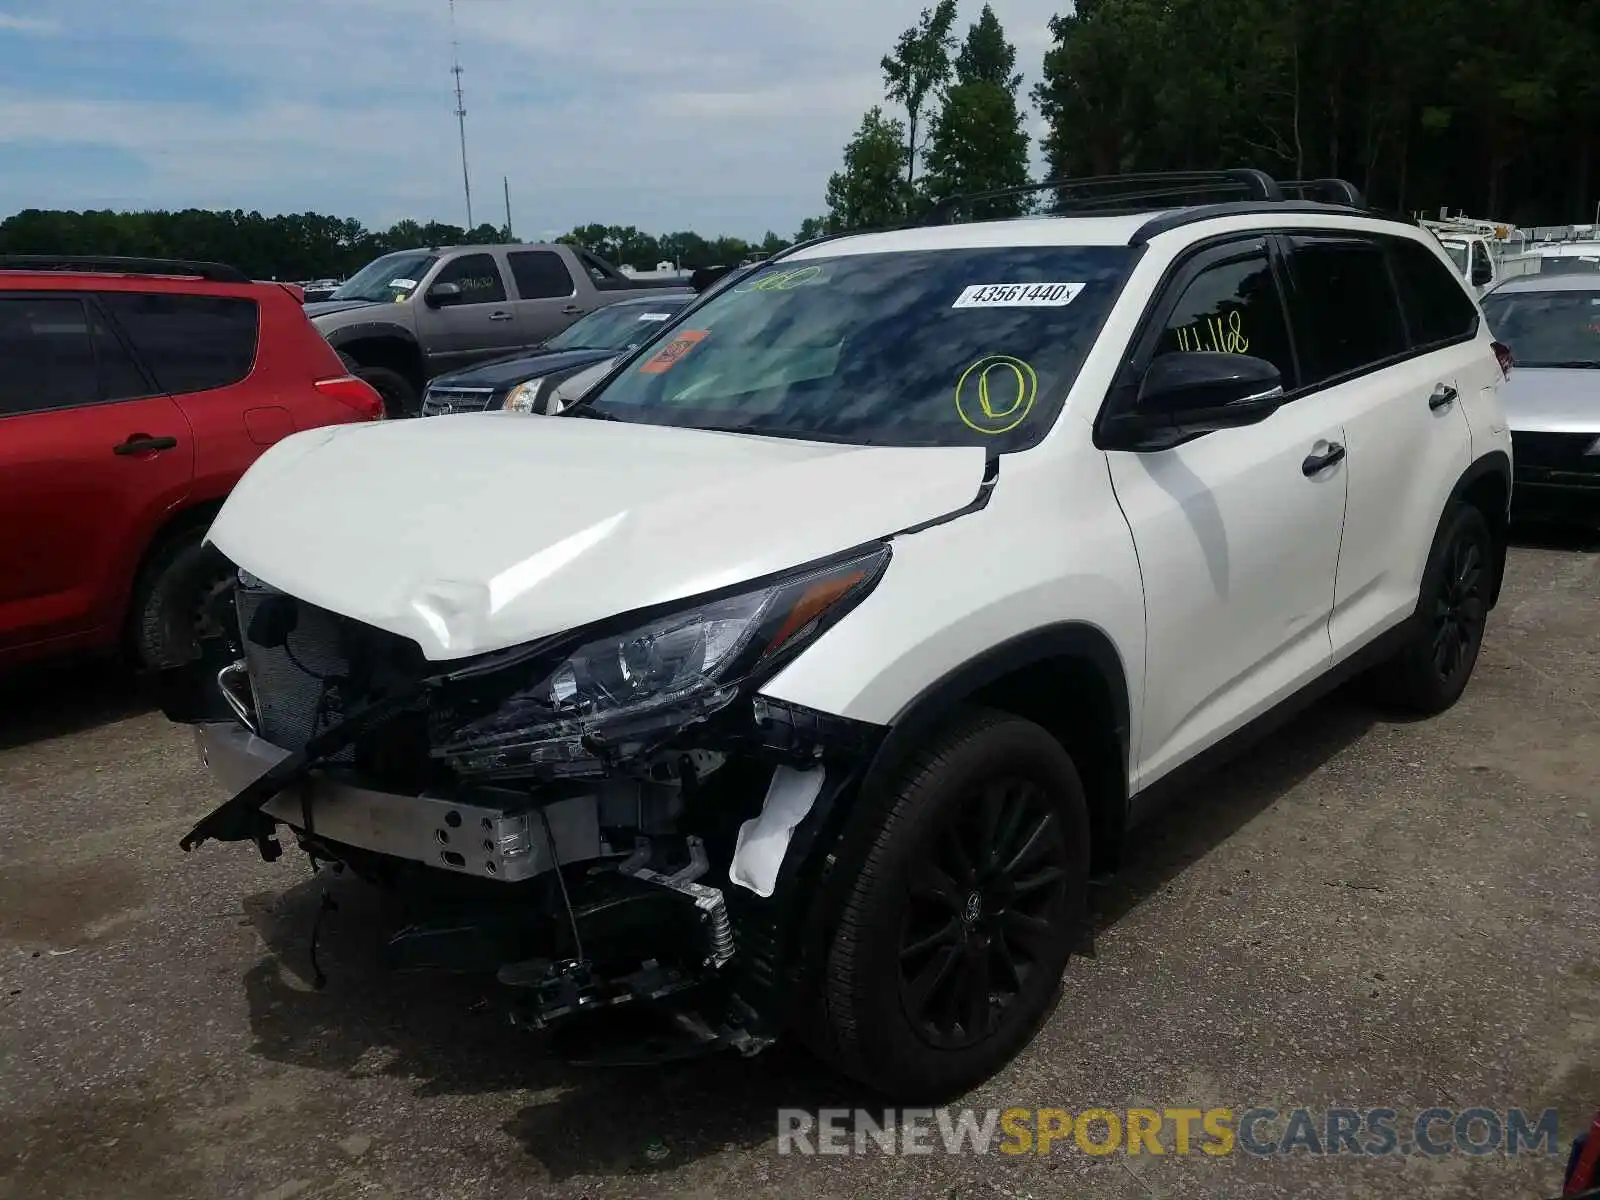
[668, 355]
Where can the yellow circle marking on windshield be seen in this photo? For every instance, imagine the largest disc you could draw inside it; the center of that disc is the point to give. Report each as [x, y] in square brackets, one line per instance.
[995, 394]
[783, 281]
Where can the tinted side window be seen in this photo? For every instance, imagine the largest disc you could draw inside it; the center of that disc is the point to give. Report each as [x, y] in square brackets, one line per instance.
[540, 274]
[1436, 305]
[1343, 304]
[48, 354]
[120, 376]
[478, 278]
[191, 343]
[1233, 308]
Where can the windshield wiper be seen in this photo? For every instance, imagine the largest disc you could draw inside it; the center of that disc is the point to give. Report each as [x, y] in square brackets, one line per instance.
[586, 408]
[791, 434]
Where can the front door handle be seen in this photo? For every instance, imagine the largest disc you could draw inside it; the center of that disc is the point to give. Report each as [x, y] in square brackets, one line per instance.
[143, 443]
[1315, 464]
[1443, 397]
[499, 316]
[572, 310]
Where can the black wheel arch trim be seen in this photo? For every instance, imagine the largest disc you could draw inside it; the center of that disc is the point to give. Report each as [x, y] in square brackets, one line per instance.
[348, 334]
[1496, 462]
[1067, 639]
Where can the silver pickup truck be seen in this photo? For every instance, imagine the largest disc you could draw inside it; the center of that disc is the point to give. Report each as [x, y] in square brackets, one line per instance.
[414, 314]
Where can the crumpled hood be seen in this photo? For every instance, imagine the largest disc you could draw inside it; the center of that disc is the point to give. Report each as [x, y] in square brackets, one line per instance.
[477, 532]
[1552, 400]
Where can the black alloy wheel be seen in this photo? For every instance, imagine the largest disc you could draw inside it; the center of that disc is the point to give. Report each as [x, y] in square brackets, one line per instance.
[986, 906]
[1460, 608]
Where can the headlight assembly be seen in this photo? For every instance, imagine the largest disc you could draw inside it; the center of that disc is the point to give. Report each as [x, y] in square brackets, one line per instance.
[524, 397]
[624, 692]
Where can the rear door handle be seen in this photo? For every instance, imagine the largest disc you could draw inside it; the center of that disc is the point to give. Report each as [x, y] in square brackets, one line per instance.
[1315, 464]
[1443, 397]
[572, 310]
[499, 316]
[143, 443]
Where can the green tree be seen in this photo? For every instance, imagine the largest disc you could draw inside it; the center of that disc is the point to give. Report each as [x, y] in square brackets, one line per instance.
[811, 227]
[986, 56]
[869, 191]
[978, 143]
[917, 68]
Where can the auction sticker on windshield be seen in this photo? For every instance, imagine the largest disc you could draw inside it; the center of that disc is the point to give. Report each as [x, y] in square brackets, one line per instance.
[407, 284]
[667, 357]
[1018, 295]
[654, 316]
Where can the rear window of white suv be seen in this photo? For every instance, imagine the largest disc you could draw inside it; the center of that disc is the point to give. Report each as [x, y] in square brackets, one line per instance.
[942, 348]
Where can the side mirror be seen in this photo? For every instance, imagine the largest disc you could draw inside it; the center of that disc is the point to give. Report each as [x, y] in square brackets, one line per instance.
[1193, 392]
[441, 294]
[1482, 270]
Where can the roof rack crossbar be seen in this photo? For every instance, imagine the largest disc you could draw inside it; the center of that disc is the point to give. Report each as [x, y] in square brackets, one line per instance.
[114, 265]
[1127, 190]
[1330, 191]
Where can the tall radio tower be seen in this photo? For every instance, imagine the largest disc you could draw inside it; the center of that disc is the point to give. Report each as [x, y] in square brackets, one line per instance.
[461, 112]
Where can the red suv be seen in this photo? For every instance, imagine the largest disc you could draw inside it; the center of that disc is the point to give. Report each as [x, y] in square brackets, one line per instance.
[133, 395]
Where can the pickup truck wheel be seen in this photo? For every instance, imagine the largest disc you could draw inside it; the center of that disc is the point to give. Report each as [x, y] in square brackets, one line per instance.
[949, 953]
[1431, 671]
[400, 396]
[172, 599]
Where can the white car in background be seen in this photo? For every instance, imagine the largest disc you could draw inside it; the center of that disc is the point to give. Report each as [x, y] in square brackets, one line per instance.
[1552, 400]
[798, 678]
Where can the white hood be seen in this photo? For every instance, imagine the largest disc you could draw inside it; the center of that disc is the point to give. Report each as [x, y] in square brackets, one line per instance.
[477, 532]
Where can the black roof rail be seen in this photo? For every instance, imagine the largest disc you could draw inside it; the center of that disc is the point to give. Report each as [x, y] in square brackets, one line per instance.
[1178, 218]
[1128, 192]
[210, 271]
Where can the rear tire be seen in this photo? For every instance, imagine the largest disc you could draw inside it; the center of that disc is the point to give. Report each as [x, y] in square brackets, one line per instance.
[172, 600]
[950, 949]
[1429, 674]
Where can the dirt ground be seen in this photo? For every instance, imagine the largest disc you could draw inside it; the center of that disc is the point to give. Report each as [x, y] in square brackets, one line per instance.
[1362, 913]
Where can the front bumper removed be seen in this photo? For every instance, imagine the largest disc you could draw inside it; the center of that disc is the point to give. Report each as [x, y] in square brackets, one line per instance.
[489, 834]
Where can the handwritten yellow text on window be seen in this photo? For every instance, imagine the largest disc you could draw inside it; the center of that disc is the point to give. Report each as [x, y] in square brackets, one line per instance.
[1218, 335]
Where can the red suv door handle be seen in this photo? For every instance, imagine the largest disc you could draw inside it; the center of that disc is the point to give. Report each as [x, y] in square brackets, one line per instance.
[143, 443]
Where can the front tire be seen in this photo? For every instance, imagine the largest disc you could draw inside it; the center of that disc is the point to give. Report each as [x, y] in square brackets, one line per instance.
[1429, 674]
[949, 952]
[401, 397]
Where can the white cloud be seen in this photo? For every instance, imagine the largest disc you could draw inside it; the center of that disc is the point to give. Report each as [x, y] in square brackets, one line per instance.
[37, 26]
[715, 115]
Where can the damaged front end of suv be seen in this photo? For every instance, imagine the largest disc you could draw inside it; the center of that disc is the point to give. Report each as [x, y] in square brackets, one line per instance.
[601, 817]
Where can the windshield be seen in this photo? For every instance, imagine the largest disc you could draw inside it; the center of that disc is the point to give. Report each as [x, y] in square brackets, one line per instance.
[1458, 254]
[923, 348]
[618, 326]
[1548, 329]
[387, 279]
[1569, 264]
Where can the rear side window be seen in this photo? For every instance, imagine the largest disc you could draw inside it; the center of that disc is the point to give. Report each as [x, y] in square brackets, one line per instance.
[1343, 305]
[120, 376]
[191, 343]
[1437, 307]
[540, 274]
[48, 352]
[1232, 308]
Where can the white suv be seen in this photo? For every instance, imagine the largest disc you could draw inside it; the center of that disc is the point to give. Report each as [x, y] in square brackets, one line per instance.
[801, 675]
